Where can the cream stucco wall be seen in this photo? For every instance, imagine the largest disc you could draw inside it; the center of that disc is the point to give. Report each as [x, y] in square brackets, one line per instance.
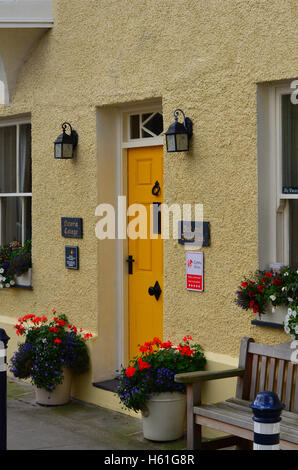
[204, 56]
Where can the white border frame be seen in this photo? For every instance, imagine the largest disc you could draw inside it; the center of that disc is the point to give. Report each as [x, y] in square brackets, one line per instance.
[112, 309]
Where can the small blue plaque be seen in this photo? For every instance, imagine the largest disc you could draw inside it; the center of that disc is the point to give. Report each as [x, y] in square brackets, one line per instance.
[72, 257]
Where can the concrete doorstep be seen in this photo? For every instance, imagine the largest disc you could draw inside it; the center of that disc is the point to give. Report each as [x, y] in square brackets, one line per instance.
[76, 426]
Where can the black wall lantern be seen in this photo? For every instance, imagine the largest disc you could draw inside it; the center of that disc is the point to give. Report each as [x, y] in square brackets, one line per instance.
[179, 134]
[65, 144]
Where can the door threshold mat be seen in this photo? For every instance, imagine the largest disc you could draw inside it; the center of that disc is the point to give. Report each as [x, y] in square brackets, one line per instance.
[110, 385]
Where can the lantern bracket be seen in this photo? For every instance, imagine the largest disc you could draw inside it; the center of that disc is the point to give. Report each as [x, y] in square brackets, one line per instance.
[186, 121]
[73, 133]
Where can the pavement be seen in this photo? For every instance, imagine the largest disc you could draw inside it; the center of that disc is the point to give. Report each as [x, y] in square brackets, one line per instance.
[75, 426]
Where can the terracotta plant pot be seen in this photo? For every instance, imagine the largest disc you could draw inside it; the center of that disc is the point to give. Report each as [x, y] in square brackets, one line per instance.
[59, 396]
[164, 418]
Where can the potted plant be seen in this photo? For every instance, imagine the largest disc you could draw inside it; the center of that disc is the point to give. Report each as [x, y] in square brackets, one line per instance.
[147, 385]
[52, 352]
[278, 289]
[15, 265]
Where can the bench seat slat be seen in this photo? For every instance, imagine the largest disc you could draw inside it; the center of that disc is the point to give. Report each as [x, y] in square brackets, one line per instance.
[243, 418]
[287, 416]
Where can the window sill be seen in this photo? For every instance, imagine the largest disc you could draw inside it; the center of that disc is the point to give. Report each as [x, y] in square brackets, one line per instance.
[267, 324]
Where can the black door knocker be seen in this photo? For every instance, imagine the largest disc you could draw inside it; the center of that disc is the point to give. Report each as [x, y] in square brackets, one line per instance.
[156, 189]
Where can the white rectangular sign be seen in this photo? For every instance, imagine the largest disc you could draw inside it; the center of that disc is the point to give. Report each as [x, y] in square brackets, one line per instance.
[195, 271]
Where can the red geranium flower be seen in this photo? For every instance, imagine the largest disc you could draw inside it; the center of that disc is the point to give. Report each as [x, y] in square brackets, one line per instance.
[143, 364]
[130, 371]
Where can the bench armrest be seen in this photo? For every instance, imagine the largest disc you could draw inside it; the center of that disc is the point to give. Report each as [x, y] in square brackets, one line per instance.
[201, 376]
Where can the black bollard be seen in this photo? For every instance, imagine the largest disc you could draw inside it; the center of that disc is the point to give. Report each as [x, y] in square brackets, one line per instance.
[3, 389]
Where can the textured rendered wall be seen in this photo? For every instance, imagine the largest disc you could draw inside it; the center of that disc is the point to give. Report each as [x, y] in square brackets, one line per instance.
[204, 56]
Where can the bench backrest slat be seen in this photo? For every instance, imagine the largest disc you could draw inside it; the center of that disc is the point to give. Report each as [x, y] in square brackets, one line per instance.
[268, 368]
[295, 408]
[254, 376]
[271, 376]
[263, 374]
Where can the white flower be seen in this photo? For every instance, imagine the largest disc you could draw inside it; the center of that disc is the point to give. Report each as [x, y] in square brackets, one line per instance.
[272, 297]
[287, 329]
[293, 337]
[286, 273]
[1, 271]
[290, 299]
[3, 279]
[7, 285]
[12, 283]
[1, 286]
[296, 329]
[284, 288]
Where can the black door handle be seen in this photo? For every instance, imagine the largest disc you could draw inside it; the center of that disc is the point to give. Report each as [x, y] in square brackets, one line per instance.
[155, 290]
[130, 260]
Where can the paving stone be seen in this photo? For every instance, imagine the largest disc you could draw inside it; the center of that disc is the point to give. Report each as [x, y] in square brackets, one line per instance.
[76, 426]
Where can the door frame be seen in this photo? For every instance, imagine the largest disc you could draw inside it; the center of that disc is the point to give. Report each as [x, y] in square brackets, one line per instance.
[125, 144]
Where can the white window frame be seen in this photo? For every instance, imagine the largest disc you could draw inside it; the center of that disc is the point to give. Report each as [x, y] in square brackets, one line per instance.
[126, 141]
[273, 204]
[9, 123]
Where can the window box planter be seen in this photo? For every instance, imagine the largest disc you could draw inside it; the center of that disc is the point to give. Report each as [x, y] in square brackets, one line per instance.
[25, 280]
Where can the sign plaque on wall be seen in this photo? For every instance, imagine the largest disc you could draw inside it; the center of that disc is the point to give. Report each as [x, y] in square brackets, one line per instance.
[72, 257]
[195, 271]
[72, 227]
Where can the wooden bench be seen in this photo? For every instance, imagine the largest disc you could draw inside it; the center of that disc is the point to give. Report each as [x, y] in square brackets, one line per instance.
[261, 368]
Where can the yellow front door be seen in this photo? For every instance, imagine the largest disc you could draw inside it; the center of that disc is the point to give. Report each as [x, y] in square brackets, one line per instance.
[145, 181]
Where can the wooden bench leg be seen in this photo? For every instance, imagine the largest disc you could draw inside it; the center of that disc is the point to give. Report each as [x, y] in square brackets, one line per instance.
[194, 431]
[244, 444]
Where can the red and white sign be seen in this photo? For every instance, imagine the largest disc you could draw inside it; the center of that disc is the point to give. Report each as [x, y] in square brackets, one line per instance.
[194, 270]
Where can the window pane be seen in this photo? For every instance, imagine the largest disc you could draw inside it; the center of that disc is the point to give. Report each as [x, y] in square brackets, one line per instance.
[294, 233]
[11, 219]
[25, 167]
[27, 221]
[155, 124]
[135, 126]
[289, 142]
[8, 159]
